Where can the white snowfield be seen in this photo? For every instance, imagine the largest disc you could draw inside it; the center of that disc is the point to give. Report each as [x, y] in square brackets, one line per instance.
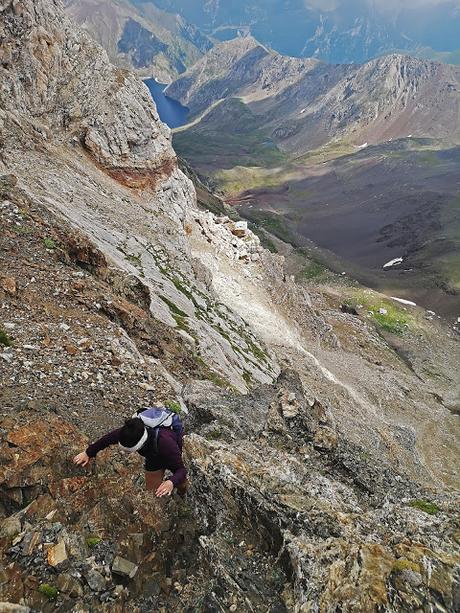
[393, 262]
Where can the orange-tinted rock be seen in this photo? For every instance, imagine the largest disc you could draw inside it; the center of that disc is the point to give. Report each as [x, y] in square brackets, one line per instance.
[57, 554]
[8, 284]
[66, 487]
[71, 349]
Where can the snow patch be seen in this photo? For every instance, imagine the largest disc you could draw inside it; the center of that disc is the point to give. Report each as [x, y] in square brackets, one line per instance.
[393, 262]
[402, 301]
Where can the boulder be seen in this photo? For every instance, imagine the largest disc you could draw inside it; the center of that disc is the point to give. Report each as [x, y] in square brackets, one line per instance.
[11, 526]
[96, 581]
[239, 228]
[57, 554]
[11, 607]
[125, 568]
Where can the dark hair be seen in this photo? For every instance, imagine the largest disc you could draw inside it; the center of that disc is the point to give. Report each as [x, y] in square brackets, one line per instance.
[131, 432]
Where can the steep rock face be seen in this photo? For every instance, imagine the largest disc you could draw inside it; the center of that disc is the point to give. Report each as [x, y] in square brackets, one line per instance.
[304, 104]
[107, 117]
[58, 78]
[300, 511]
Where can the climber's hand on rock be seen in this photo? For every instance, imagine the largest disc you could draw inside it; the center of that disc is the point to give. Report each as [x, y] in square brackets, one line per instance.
[165, 489]
[82, 459]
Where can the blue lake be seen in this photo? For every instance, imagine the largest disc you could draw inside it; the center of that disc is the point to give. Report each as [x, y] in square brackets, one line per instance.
[170, 111]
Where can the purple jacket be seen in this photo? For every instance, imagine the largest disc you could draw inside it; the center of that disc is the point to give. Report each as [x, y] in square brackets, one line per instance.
[169, 453]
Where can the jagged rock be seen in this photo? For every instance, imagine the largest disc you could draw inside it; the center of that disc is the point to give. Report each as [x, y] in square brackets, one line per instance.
[239, 228]
[8, 284]
[124, 567]
[57, 554]
[325, 438]
[96, 581]
[29, 543]
[11, 526]
[69, 585]
[346, 308]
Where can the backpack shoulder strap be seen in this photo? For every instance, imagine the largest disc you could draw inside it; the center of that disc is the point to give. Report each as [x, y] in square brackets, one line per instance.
[156, 434]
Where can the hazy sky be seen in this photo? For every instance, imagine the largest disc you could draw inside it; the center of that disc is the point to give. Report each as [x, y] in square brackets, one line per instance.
[328, 5]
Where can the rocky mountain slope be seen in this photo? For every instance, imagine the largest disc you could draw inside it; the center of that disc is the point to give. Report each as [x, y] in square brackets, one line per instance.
[317, 480]
[346, 157]
[142, 38]
[304, 104]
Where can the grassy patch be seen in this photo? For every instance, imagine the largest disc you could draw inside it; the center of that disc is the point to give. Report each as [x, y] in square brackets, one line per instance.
[313, 270]
[239, 179]
[174, 406]
[5, 339]
[273, 223]
[404, 564]
[175, 310]
[48, 590]
[49, 244]
[134, 259]
[211, 375]
[386, 316]
[424, 505]
[92, 541]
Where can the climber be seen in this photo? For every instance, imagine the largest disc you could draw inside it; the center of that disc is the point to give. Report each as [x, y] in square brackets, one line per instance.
[156, 434]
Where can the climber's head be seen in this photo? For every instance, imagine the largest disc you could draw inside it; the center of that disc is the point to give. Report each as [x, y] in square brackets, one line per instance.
[133, 435]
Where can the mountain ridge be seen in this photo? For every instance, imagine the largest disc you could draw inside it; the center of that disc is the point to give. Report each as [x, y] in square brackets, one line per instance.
[351, 31]
[386, 98]
[141, 38]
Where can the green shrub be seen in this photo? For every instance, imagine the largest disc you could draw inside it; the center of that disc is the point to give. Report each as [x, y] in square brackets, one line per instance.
[48, 590]
[92, 541]
[425, 506]
[4, 338]
[49, 243]
[214, 435]
[174, 406]
[404, 564]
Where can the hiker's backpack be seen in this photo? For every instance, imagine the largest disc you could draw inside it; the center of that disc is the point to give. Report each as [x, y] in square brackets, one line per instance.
[159, 417]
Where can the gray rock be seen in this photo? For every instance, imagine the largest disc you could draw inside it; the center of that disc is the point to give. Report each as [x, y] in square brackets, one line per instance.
[95, 580]
[10, 607]
[122, 566]
[11, 526]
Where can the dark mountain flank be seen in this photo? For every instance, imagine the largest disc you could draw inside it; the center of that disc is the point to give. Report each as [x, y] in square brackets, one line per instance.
[154, 43]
